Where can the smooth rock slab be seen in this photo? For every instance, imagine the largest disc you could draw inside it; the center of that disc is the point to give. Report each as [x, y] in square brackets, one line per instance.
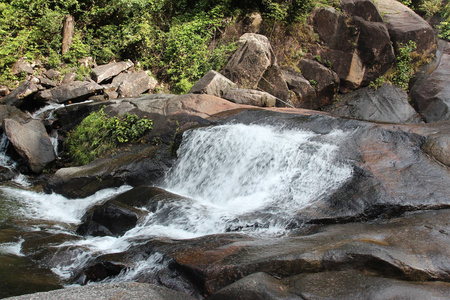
[386, 104]
[108, 291]
[255, 286]
[413, 248]
[32, 142]
[358, 285]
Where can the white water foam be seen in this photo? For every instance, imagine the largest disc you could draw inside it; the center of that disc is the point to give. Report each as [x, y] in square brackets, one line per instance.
[231, 177]
[12, 248]
[251, 175]
[54, 207]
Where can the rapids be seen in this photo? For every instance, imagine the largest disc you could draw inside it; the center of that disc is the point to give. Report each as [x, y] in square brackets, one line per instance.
[237, 177]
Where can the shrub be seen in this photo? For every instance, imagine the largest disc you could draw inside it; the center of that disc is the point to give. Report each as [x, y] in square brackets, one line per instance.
[98, 133]
[407, 63]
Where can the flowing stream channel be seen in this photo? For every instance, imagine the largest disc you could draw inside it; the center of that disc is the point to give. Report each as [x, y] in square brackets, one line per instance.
[249, 178]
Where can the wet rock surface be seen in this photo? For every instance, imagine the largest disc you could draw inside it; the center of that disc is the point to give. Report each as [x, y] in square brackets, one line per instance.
[130, 290]
[359, 285]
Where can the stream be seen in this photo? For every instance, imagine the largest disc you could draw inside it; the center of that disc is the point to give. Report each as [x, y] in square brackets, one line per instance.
[249, 178]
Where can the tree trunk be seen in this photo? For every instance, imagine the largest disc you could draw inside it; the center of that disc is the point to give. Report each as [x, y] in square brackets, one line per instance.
[68, 30]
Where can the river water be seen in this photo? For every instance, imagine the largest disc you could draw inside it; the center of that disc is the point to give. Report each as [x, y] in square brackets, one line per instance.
[251, 178]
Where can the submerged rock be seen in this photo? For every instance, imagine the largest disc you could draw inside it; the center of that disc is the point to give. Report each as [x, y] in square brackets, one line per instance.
[110, 219]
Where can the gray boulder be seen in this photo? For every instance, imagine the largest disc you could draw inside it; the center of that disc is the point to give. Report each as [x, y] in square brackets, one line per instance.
[22, 65]
[17, 97]
[358, 43]
[385, 104]
[74, 91]
[32, 142]
[430, 90]
[405, 25]
[250, 97]
[304, 93]
[47, 83]
[130, 85]
[250, 61]
[12, 112]
[212, 83]
[274, 83]
[438, 146]
[105, 72]
[322, 79]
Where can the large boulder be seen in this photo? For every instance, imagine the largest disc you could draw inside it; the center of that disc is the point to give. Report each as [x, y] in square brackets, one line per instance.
[304, 93]
[250, 97]
[74, 91]
[213, 83]
[386, 104]
[430, 90]
[145, 165]
[130, 85]
[12, 112]
[405, 25]
[250, 61]
[358, 44]
[274, 83]
[322, 79]
[32, 142]
[438, 146]
[20, 94]
[105, 72]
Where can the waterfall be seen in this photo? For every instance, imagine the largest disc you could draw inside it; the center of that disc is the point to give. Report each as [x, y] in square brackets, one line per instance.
[250, 178]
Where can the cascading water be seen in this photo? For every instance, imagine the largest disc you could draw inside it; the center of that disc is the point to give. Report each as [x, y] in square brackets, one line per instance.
[251, 175]
[232, 177]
